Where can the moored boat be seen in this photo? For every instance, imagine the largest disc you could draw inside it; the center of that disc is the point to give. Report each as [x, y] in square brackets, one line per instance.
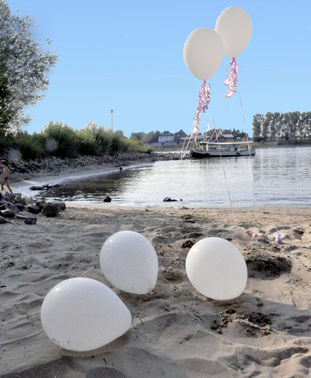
[226, 149]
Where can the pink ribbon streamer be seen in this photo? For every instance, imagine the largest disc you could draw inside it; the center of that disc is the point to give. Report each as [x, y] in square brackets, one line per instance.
[204, 100]
[256, 234]
[232, 78]
[278, 237]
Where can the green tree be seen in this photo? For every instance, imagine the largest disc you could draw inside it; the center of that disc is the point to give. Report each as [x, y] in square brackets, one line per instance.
[23, 69]
[256, 128]
[138, 136]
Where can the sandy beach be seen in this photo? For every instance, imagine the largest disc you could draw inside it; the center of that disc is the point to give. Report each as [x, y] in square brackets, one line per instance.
[176, 332]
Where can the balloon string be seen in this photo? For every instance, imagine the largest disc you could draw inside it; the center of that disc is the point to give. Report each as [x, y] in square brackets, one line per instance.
[226, 181]
[255, 234]
[204, 100]
[232, 78]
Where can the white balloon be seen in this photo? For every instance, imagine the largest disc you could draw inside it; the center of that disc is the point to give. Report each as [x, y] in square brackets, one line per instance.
[129, 262]
[217, 269]
[203, 52]
[234, 26]
[83, 314]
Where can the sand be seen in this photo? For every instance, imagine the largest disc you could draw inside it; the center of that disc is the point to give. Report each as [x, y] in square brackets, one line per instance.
[176, 332]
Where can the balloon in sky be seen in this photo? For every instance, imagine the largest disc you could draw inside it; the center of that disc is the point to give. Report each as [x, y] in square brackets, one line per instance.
[82, 314]
[203, 52]
[216, 268]
[234, 26]
[129, 262]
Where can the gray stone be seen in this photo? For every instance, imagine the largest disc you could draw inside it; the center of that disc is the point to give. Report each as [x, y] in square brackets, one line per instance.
[7, 213]
[20, 206]
[33, 209]
[169, 199]
[10, 197]
[12, 207]
[3, 220]
[21, 200]
[30, 220]
[61, 205]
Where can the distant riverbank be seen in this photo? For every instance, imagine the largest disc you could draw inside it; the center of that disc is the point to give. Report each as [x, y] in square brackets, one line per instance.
[275, 144]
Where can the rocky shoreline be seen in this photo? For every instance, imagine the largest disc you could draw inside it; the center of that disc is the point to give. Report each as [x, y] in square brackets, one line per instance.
[21, 169]
[14, 208]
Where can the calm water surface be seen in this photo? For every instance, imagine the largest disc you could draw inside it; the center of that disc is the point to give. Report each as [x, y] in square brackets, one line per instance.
[274, 177]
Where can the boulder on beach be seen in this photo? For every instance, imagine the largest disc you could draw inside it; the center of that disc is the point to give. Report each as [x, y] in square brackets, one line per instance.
[38, 187]
[107, 199]
[20, 200]
[15, 206]
[11, 206]
[30, 220]
[3, 220]
[51, 210]
[20, 206]
[7, 213]
[40, 204]
[61, 205]
[10, 197]
[169, 199]
[33, 209]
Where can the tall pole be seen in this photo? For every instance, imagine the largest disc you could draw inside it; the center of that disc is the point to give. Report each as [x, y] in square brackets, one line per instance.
[111, 111]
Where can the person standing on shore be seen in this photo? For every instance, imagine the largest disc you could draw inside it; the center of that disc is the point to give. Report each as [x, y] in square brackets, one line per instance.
[5, 176]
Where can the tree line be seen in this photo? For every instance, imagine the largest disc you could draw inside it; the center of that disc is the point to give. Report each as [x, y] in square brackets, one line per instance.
[290, 128]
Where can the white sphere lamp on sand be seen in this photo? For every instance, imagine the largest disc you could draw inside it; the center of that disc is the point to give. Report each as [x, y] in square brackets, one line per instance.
[217, 269]
[83, 314]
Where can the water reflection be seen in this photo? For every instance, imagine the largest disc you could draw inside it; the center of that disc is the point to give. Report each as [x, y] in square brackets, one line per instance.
[274, 177]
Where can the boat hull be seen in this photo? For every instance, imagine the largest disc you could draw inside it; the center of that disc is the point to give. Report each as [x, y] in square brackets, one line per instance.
[209, 154]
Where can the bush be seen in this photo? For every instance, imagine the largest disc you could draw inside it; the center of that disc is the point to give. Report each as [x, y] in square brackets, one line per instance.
[29, 146]
[63, 140]
[135, 145]
[5, 144]
[58, 139]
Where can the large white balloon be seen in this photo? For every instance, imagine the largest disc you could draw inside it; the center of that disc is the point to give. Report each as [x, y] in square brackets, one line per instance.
[217, 269]
[234, 26]
[203, 52]
[83, 314]
[129, 262]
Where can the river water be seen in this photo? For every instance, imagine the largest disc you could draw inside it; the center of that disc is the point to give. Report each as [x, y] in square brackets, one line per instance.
[275, 177]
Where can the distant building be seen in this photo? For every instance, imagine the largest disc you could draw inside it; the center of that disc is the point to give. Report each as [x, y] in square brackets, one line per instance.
[225, 137]
[166, 138]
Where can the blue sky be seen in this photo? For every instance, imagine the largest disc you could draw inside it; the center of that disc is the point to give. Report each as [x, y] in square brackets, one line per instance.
[128, 56]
